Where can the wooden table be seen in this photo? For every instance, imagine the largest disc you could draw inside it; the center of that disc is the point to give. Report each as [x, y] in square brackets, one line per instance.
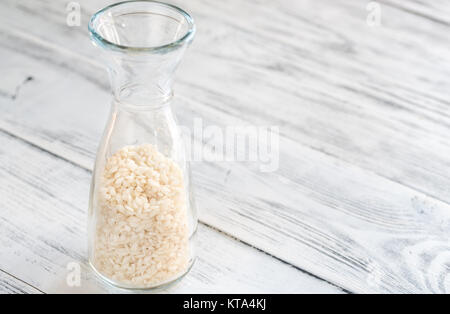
[360, 202]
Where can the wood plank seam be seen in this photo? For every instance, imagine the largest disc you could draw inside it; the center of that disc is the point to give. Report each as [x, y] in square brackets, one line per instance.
[18, 279]
[416, 13]
[277, 258]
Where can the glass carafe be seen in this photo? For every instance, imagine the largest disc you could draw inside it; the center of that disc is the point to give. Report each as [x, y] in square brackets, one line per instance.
[142, 217]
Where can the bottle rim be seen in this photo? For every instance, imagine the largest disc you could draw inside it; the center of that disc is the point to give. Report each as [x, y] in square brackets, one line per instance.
[185, 39]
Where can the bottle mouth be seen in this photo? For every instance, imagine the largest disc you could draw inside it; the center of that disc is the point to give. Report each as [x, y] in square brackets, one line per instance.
[141, 26]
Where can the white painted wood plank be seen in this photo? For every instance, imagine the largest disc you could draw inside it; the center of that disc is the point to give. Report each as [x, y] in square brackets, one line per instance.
[11, 285]
[43, 202]
[357, 109]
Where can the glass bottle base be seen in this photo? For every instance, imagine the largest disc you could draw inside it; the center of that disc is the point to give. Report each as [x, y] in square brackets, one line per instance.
[152, 288]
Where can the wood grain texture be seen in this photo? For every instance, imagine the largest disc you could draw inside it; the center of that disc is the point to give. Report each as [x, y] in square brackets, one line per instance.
[436, 11]
[43, 229]
[12, 285]
[361, 196]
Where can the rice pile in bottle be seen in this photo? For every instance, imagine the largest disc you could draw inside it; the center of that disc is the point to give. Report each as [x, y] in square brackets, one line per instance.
[142, 233]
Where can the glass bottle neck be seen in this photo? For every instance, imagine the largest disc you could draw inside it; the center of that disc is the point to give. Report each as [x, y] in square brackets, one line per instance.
[143, 81]
[142, 43]
[154, 105]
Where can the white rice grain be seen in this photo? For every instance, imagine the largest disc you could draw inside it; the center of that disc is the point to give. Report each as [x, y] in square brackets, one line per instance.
[141, 233]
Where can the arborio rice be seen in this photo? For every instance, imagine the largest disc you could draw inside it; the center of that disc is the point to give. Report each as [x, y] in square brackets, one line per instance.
[142, 233]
